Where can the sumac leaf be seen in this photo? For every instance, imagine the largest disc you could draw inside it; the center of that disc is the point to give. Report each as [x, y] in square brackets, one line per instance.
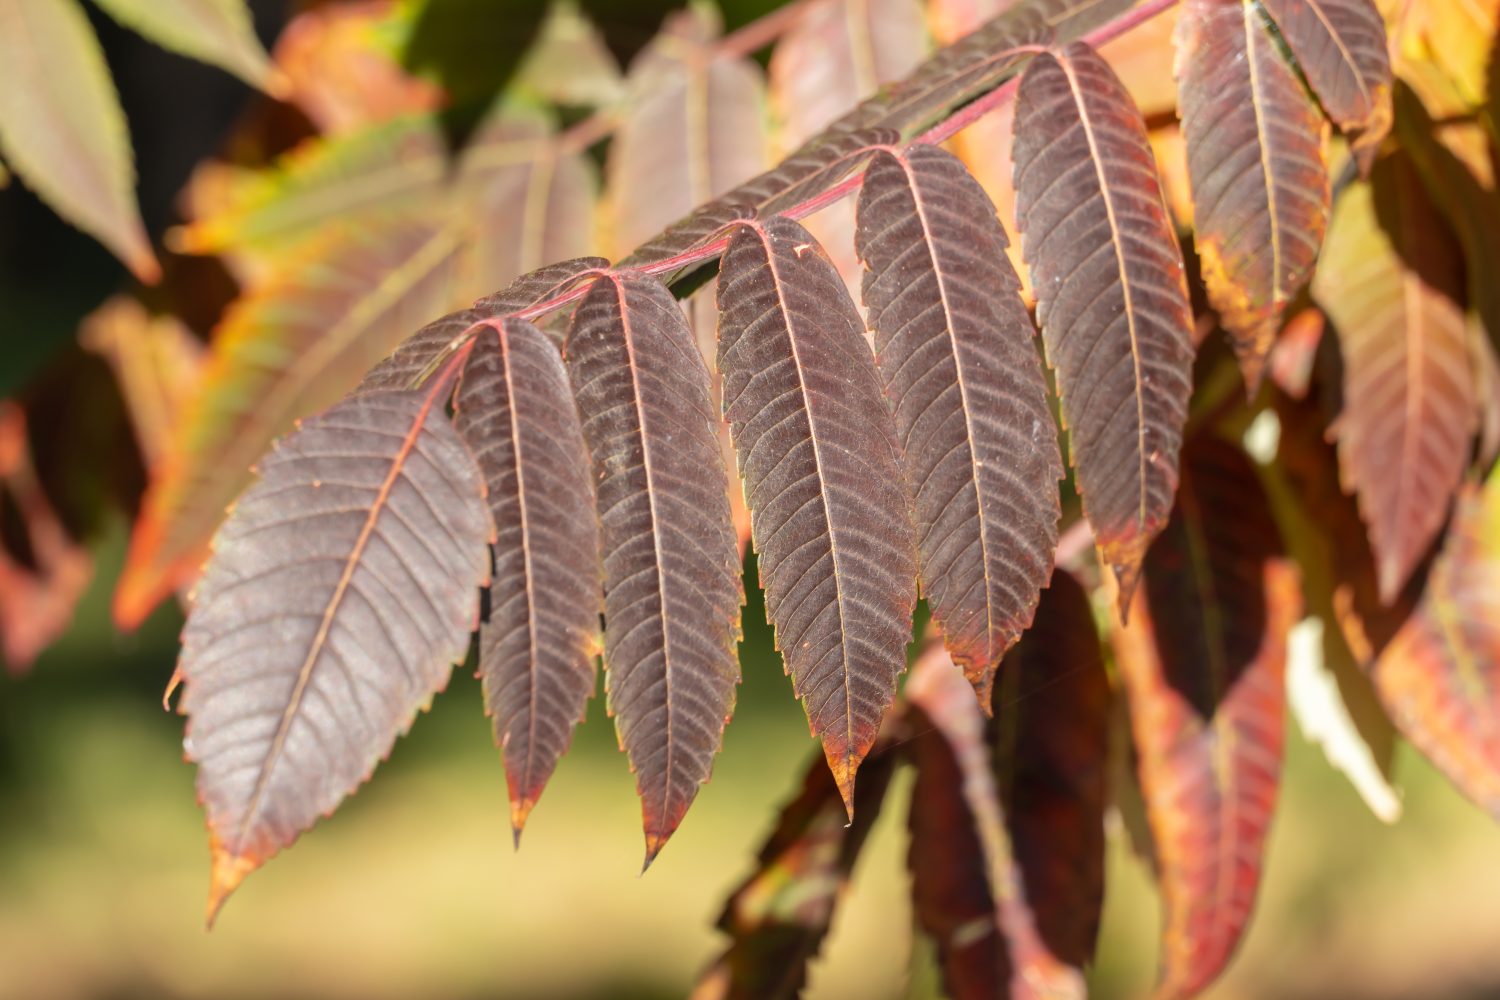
[536, 649]
[1203, 660]
[1257, 169]
[341, 590]
[821, 464]
[1391, 282]
[671, 567]
[1341, 47]
[1437, 677]
[778, 917]
[216, 31]
[1111, 295]
[955, 349]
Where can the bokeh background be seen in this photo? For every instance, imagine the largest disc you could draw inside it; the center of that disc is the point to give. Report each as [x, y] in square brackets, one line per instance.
[413, 889]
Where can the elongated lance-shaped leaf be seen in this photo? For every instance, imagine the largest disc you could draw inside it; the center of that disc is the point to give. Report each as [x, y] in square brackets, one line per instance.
[1438, 677]
[214, 31]
[1391, 282]
[1203, 658]
[821, 463]
[778, 917]
[536, 650]
[671, 568]
[1256, 165]
[341, 591]
[1111, 295]
[968, 891]
[424, 351]
[1050, 741]
[1341, 47]
[287, 350]
[955, 350]
[61, 127]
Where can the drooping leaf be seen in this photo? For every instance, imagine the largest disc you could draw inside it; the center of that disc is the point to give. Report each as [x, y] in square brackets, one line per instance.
[954, 344]
[821, 463]
[1256, 164]
[291, 348]
[1390, 281]
[61, 127]
[1341, 47]
[341, 591]
[1203, 660]
[778, 917]
[1111, 295]
[671, 568]
[1437, 678]
[536, 649]
[213, 31]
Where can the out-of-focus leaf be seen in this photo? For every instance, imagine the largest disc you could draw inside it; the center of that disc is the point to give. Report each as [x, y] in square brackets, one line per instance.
[1112, 295]
[1341, 47]
[672, 580]
[536, 649]
[1256, 164]
[778, 917]
[822, 468]
[1437, 677]
[1390, 280]
[305, 654]
[1452, 40]
[1203, 660]
[1290, 365]
[212, 31]
[39, 585]
[956, 355]
[61, 127]
[569, 63]
[292, 347]
[156, 362]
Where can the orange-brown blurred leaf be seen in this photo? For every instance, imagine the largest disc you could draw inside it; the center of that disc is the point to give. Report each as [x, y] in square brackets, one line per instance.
[1203, 659]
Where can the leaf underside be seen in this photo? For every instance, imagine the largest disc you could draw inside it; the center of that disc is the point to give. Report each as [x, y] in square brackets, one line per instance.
[361, 549]
[954, 345]
[671, 566]
[1112, 296]
[821, 465]
[1259, 179]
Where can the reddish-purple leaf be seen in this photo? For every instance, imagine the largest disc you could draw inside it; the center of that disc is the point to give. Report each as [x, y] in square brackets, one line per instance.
[955, 350]
[822, 469]
[1341, 47]
[342, 588]
[1256, 164]
[536, 650]
[1112, 295]
[671, 567]
[1202, 660]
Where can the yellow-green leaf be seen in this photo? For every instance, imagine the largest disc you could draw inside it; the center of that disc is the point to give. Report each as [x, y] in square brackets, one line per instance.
[212, 31]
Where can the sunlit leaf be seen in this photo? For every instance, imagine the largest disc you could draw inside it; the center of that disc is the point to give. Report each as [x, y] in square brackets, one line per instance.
[1390, 280]
[1111, 295]
[61, 127]
[213, 31]
[1341, 47]
[822, 468]
[569, 63]
[1256, 163]
[341, 591]
[671, 568]
[294, 346]
[956, 355]
[536, 649]
[1203, 660]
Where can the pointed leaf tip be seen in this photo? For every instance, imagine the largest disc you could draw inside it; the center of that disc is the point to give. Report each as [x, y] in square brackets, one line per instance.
[843, 764]
[228, 871]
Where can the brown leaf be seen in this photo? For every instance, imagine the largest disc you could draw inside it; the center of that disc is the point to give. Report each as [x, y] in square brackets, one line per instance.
[956, 355]
[1203, 659]
[1256, 163]
[1111, 295]
[822, 469]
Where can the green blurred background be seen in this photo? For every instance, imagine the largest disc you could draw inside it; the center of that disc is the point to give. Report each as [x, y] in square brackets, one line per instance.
[413, 889]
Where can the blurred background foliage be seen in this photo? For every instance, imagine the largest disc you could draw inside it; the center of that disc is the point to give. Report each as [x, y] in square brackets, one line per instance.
[413, 889]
